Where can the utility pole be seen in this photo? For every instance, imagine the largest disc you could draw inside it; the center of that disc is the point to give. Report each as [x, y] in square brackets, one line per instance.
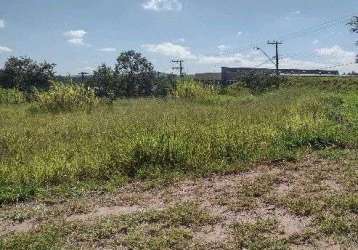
[83, 76]
[276, 43]
[180, 68]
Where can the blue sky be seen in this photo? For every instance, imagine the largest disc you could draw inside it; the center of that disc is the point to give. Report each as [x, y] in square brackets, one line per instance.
[78, 35]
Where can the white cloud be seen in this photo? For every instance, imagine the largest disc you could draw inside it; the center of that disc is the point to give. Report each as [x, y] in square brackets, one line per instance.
[5, 50]
[253, 58]
[182, 40]
[108, 50]
[315, 42]
[223, 60]
[76, 37]
[250, 59]
[336, 55]
[163, 5]
[76, 41]
[2, 23]
[223, 47]
[335, 51]
[88, 68]
[300, 64]
[293, 15]
[170, 49]
[75, 33]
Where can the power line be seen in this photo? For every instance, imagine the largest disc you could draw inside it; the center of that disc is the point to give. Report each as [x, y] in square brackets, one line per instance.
[180, 67]
[276, 43]
[269, 58]
[261, 64]
[289, 36]
[339, 65]
[83, 74]
[317, 28]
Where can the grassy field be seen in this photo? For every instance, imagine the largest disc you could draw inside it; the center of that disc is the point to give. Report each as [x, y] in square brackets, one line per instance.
[47, 157]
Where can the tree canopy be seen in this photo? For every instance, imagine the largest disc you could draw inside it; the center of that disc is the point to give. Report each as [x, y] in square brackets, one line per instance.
[133, 75]
[25, 74]
[137, 72]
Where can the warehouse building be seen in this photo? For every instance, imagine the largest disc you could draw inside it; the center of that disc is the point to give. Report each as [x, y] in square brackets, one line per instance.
[232, 74]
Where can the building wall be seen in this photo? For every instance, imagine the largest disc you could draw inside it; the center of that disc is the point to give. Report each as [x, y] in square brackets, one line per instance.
[232, 74]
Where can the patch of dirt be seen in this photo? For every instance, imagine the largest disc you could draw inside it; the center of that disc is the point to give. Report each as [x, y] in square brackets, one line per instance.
[104, 212]
[207, 192]
[283, 189]
[290, 224]
[332, 185]
[22, 227]
[212, 234]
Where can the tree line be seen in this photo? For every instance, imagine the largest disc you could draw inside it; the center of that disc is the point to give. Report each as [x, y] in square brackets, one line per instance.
[133, 75]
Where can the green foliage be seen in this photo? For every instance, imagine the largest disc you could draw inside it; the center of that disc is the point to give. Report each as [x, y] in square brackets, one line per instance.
[190, 89]
[257, 235]
[236, 90]
[151, 138]
[48, 238]
[132, 76]
[11, 96]
[136, 72]
[170, 228]
[14, 194]
[25, 74]
[164, 85]
[65, 98]
[259, 83]
[105, 82]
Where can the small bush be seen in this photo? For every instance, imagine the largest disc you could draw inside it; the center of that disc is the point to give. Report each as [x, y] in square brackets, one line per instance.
[11, 96]
[259, 83]
[66, 98]
[190, 89]
[236, 90]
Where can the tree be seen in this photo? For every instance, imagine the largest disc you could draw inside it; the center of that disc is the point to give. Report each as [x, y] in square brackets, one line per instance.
[25, 74]
[135, 73]
[104, 81]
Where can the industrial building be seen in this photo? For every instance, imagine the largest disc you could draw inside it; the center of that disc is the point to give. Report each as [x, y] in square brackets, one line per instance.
[232, 74]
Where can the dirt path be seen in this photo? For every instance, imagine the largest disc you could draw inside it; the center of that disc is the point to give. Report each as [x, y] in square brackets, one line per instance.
[268, 192]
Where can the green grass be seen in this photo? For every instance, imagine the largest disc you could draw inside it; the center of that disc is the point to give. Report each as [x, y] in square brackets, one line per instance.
[171, 228]
[258, 235]
[157, 139]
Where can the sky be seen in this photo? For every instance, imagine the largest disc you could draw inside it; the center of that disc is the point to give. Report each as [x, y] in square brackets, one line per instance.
[79, 35]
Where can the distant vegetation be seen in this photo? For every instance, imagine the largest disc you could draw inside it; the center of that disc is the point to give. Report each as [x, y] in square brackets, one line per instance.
[112, 128]
[26, 75]
[63, 139]
[60, 98]
[198, 131]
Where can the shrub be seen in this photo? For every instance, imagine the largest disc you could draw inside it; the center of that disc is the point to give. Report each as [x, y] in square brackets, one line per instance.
[259, 83]
[190, 89]
[66, 98]
[236, 90]
[25, 74]
[11, 96]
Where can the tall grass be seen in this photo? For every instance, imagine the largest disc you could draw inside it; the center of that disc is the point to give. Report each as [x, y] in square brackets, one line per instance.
[150, 138]
[63, 97]
[190, 89]
[11, 96]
